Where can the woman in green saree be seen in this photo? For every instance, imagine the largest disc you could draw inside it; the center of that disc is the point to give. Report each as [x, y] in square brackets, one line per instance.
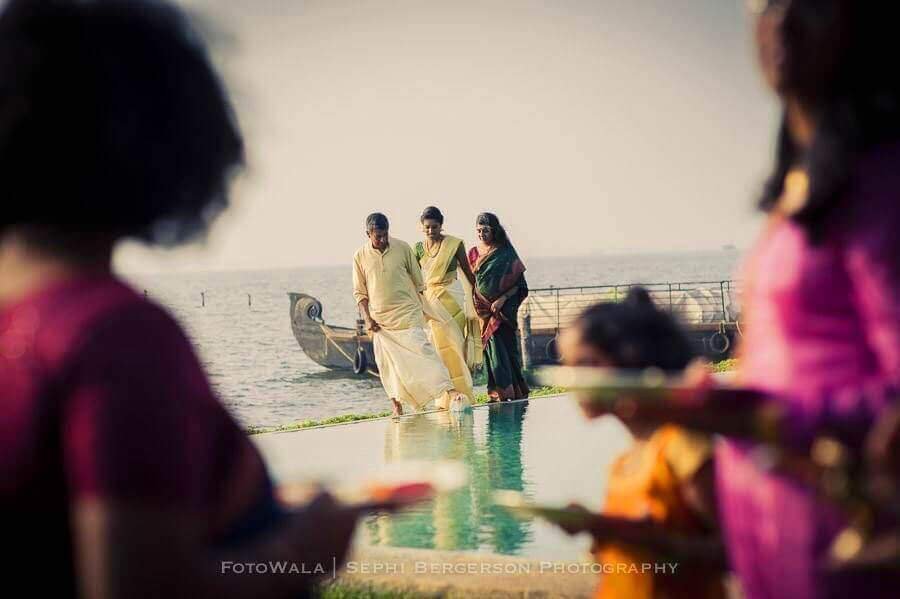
[500, 290]
[454, 326]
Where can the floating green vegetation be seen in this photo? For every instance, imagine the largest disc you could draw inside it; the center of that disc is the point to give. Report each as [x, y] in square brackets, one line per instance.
[342, 419]
[481, 398]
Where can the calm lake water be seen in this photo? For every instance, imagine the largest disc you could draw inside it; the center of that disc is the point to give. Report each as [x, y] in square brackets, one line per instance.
[543, 448]
[244, 338]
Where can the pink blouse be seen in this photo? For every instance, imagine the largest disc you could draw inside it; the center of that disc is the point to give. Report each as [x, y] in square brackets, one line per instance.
[103, 397]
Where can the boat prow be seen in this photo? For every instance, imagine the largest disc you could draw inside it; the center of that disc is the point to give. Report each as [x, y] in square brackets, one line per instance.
[338, 348]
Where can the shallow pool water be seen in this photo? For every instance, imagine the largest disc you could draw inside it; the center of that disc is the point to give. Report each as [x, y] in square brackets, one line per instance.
[544, 448]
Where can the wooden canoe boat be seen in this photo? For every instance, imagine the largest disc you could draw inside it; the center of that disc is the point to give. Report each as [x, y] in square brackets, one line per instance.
[708, 310]
[338, 348]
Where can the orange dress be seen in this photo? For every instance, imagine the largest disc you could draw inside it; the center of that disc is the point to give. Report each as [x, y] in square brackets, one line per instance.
[645, 482]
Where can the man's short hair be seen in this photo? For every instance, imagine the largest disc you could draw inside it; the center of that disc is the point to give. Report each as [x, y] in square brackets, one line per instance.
[377, 220]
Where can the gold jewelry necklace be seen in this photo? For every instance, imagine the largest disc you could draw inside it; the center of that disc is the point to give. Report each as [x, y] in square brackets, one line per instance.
[436, 252]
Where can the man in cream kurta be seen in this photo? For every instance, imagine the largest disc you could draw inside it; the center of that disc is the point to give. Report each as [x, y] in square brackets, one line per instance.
[387, 283]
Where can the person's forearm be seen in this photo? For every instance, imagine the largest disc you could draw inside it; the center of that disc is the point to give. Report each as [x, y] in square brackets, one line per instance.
[652, 537]
[812, 458]
[364, 308]
[470, 276]
[737, 413]
[466, 268]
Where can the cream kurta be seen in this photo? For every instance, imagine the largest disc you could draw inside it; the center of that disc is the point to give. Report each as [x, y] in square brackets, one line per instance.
[410, 369]
[391, 281]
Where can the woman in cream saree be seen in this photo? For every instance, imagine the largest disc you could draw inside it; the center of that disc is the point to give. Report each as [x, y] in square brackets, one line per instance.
[454, 327]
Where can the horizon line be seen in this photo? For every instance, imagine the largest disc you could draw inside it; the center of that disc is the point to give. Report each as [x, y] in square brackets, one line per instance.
[596, 254]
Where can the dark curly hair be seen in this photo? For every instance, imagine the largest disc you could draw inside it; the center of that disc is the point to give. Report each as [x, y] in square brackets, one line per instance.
[855, 102]
[113, 122]
[635, 333]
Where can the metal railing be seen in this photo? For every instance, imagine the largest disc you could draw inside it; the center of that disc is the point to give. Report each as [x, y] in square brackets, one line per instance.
[694, 302]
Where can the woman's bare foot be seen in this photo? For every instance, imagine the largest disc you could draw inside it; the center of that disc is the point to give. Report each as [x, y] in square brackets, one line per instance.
[459, 403]
[443, 401]
[398, 409]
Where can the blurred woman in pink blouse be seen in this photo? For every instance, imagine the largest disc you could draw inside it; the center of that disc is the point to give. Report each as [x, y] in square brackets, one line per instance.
[822, 300]
[122, 475]
[822, 292]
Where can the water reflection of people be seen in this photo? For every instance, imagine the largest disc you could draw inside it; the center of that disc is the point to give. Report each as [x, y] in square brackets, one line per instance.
[447, 521]
[504, 470]
[464, 519]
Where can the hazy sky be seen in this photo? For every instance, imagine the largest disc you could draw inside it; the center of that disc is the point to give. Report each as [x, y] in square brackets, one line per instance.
[586, 125]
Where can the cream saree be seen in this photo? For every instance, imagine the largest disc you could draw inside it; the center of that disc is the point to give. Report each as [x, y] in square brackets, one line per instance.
[454, 328]
[410, 370]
